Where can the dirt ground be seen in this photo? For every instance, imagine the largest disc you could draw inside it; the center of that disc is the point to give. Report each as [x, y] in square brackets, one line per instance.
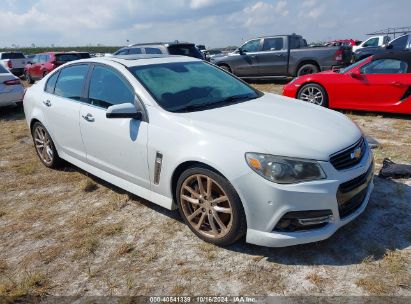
[63, 232]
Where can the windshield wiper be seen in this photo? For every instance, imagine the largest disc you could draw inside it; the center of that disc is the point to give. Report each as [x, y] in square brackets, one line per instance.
[222, 102]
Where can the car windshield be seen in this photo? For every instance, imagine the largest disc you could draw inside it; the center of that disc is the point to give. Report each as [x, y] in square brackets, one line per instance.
[192, 86]
[350, 67]
[185, 50]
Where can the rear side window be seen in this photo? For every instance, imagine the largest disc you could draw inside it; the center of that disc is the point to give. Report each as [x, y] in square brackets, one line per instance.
[135, 51]
[108, 88]
[12, 56]
[185, 50]
[153, 51]
[51, 83]
[273, 44]
[70, 82]
[385, 66]
[371, 42]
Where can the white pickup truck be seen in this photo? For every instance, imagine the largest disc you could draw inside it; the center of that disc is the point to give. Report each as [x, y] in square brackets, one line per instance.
[372, 41]
[14, 62]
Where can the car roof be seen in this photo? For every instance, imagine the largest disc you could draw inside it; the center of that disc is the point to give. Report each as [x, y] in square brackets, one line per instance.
[161, 43]
[141, 60]
[400, 55]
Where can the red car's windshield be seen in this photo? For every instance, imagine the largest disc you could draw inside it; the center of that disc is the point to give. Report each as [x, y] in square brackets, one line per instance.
[350, 67]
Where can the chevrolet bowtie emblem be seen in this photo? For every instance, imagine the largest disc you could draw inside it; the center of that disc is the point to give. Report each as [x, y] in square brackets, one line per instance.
[356, 153]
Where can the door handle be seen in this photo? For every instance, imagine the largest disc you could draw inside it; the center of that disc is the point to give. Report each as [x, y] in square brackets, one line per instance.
[279, 55]
[253, 56]
[88, 117]
[397, 84]
[47, 103]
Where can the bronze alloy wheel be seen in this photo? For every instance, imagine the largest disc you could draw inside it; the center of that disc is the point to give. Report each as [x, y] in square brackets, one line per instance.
[206, 206]
[45, 147]
[43, 144]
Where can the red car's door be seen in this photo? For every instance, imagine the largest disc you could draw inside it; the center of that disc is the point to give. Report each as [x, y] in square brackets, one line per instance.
[377, 85]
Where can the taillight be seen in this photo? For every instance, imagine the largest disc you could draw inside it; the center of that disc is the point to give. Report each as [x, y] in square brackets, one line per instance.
[338, 55]
[12, 82]
[9, 64]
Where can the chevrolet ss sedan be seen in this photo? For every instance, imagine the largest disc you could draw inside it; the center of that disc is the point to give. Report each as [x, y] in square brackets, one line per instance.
[183, 133]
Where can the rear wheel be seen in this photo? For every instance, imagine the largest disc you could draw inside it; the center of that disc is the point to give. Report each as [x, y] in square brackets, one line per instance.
[28, 77]
[45, 147]
[210, 206]
[313, 93]
[308, 68]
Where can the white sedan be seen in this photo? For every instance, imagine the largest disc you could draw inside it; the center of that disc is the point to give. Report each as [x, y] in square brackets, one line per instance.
[11, 89]
[184, 134]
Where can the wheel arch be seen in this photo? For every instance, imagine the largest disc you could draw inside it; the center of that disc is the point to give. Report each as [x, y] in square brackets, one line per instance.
[220, 64]
[306, 61]
[189, 163]
[317, 83]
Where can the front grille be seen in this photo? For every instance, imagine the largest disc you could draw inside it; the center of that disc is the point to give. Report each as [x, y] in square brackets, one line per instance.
[351, 194]
[347, 158]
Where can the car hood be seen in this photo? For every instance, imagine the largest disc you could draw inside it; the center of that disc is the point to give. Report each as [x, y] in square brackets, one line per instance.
[280, 126]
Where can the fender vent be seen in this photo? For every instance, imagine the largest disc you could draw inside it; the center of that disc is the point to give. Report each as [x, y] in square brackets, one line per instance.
[157, 167]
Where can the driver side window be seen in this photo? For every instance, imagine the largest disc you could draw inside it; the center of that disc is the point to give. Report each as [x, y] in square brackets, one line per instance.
[371, 42]
[385, 66]
[107, 88]
[251, 46]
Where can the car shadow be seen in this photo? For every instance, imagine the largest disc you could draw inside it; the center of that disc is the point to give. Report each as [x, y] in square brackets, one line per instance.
[376, 114]
[384, 225]
[280, 81]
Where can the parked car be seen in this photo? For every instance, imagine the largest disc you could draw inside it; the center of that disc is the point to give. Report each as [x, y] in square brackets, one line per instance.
[171, 48]
[183, 133]
[11, 89]
[208, 54]
[373, 41]
[14, 62]
[44, 63]
[379, 83]
[280, 57]
[402, 43]
[344, 42]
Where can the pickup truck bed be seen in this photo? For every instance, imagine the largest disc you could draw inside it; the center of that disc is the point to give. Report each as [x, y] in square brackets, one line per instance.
[14, 62]
[282, 56]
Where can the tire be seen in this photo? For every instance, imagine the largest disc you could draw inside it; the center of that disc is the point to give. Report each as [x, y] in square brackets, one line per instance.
[45, 74]
[311, 92]
[307, 68]
[216, 206]
[45, 147]
[28, 78]
[225, 68]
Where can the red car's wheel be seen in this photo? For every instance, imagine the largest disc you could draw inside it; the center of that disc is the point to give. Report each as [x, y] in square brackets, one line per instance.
[313, 93]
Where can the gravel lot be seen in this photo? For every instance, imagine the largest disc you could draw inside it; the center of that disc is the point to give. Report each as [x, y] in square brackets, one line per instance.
[67, 233]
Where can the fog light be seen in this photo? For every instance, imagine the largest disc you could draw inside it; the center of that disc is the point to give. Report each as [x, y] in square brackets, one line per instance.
[304, 220]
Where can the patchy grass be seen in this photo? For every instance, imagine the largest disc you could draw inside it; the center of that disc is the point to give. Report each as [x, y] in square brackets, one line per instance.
[63, 232]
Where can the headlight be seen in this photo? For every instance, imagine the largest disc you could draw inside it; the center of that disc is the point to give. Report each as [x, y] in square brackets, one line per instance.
[284, 170]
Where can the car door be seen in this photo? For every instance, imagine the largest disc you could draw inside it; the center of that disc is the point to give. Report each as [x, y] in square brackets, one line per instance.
[64, 93]
[117, 146]
[244, 61]
[377, 85]
[272, 60]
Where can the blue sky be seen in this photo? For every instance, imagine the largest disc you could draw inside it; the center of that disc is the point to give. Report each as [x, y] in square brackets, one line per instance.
[215, 23]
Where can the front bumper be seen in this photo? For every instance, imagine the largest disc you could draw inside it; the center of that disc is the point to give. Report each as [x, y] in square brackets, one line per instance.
[265, 203]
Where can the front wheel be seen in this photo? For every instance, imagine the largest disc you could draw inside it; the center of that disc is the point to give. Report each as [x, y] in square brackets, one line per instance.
[210, 206]
[313, 93]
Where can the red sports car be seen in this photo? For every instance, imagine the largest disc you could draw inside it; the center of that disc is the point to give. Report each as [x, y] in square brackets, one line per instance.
[380, 83]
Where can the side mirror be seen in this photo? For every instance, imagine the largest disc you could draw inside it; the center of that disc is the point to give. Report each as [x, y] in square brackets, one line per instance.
[389, 46]
[124, 110]
[355, 75]
[241, 51]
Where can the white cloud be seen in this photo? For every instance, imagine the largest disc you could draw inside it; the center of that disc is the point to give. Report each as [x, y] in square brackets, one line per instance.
[309, 3]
